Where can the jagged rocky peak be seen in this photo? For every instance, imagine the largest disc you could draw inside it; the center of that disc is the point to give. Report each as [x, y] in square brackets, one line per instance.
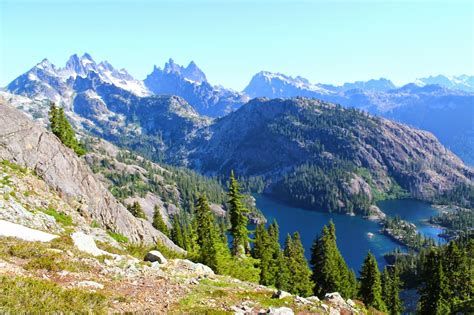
[45, 66]
[192, 72]
[80, 66]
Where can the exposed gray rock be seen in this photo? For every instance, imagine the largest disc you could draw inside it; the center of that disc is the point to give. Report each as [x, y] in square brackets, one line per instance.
[87, 244]
[32, 146]
[188, 266]
[14, 212]
[280, 294]
[280, 311]
[156, 256]
[90, 284]
[313, 299]
[350, 303]
[335, 298]
[302, 300]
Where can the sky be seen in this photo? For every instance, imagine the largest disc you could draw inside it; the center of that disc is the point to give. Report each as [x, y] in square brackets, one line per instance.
[323, 41]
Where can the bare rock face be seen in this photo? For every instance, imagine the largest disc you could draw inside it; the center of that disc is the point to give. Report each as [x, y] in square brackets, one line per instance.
[30, 145]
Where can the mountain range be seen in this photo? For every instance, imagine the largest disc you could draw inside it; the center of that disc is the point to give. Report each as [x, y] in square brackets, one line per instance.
[305, 151]
[440, 104]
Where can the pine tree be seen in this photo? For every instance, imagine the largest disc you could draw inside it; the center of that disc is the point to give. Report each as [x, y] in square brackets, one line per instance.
[61, 127]
[136, 210]
[208, 237]
[370, 284]
[158, 222]
[300, 275]
[262, 250]
[458, 274]
[434, 293]
[177, 232]
[330, 271]
[238, 220]
[282, 278]
[54, 119]
[391, 286]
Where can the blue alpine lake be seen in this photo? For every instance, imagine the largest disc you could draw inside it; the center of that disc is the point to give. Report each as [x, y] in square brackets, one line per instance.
[352, 232]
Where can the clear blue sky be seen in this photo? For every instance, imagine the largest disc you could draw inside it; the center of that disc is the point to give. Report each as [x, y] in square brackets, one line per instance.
[329, 42]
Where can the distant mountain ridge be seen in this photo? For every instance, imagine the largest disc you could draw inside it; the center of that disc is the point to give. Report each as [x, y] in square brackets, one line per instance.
[441, 108]
[425, 104]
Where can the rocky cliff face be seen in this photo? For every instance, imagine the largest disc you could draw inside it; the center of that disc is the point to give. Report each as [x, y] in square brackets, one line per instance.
[29, 145]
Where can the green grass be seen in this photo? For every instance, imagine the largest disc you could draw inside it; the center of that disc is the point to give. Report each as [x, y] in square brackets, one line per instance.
[54, 262]
[118, 237]
[5, 181]
[12, 166]
[45, 256]
[20, 295]
[61, 218]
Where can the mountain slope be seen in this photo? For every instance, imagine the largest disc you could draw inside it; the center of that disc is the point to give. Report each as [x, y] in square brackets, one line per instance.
[423, 106]
[29, 145]
[319, 154]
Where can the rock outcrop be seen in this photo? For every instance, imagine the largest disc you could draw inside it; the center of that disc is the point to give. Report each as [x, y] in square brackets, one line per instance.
[28, 144]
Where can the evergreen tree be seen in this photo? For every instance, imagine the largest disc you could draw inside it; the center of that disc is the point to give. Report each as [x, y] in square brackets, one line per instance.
[370, 284]
[136, 210]
[61, 127]
[262, 250]
[458, 274]
[238, 220]
[282, 278]
[177, 232]
[207, 235]
[391, 286]
[158, 222]
[434, 293]
[330, 271]
[299, 273]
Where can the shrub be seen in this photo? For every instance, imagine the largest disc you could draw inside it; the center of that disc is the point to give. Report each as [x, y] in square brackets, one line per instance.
[20, 295]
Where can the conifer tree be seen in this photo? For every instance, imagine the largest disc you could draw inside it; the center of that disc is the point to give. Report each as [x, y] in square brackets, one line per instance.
[177, 232]
[159, 223]
[207, 235]
[277, 265]
[299, 273]
[238, 220]
[330, 271]
[370, 284]
[61, 127]
[282, 277]
[391, 286]
[434, 293]
[458, 274]
[136, 210]
[262, 250]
